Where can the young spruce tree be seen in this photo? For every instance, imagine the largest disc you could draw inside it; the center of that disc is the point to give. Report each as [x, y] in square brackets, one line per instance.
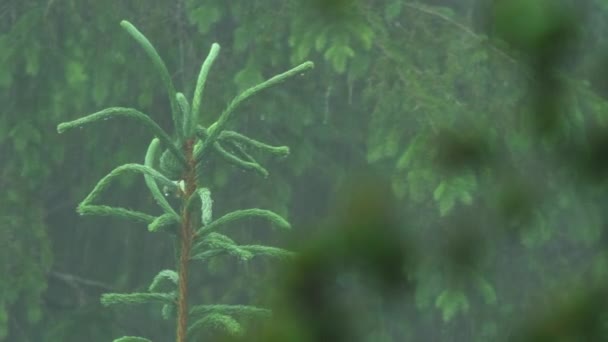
[179, 169]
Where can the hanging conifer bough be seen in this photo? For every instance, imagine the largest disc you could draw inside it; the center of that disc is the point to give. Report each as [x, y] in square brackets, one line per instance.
[199, 234]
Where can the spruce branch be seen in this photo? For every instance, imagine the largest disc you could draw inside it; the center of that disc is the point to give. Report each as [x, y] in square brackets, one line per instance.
[245, 252]
[217, 243]
[167, 311]
[233, 136]
[184, 108]
[163, 276]
[242, 151]
[132, 339]
[108, 299]
[204, 196]
[131, 113]
[206, 205]
[233, 159]
[208, 254]
[237, 140]
[86, 208]
[216, 128]
[151, 156]
[240, 215]
[215, 240]
[106, 210]
[200, 85]
[162, 222]
[274, 252]
[232, 310]
[162, 70]
[215, 321]
[429, 10]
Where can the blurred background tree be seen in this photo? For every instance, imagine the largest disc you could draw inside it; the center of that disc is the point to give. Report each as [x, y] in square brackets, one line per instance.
[486, 119]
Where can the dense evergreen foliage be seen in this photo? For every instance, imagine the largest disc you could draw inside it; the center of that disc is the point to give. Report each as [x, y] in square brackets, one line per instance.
[486, 117]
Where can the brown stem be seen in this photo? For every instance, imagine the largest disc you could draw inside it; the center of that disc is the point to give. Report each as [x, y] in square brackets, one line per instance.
[186, 236]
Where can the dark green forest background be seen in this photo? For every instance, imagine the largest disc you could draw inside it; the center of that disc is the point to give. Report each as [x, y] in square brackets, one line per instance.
[486, 121]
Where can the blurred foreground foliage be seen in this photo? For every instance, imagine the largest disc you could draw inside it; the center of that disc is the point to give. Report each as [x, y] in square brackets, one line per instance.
[486, 118]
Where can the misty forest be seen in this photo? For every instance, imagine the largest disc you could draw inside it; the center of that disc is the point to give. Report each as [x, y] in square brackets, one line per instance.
[303, 170]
